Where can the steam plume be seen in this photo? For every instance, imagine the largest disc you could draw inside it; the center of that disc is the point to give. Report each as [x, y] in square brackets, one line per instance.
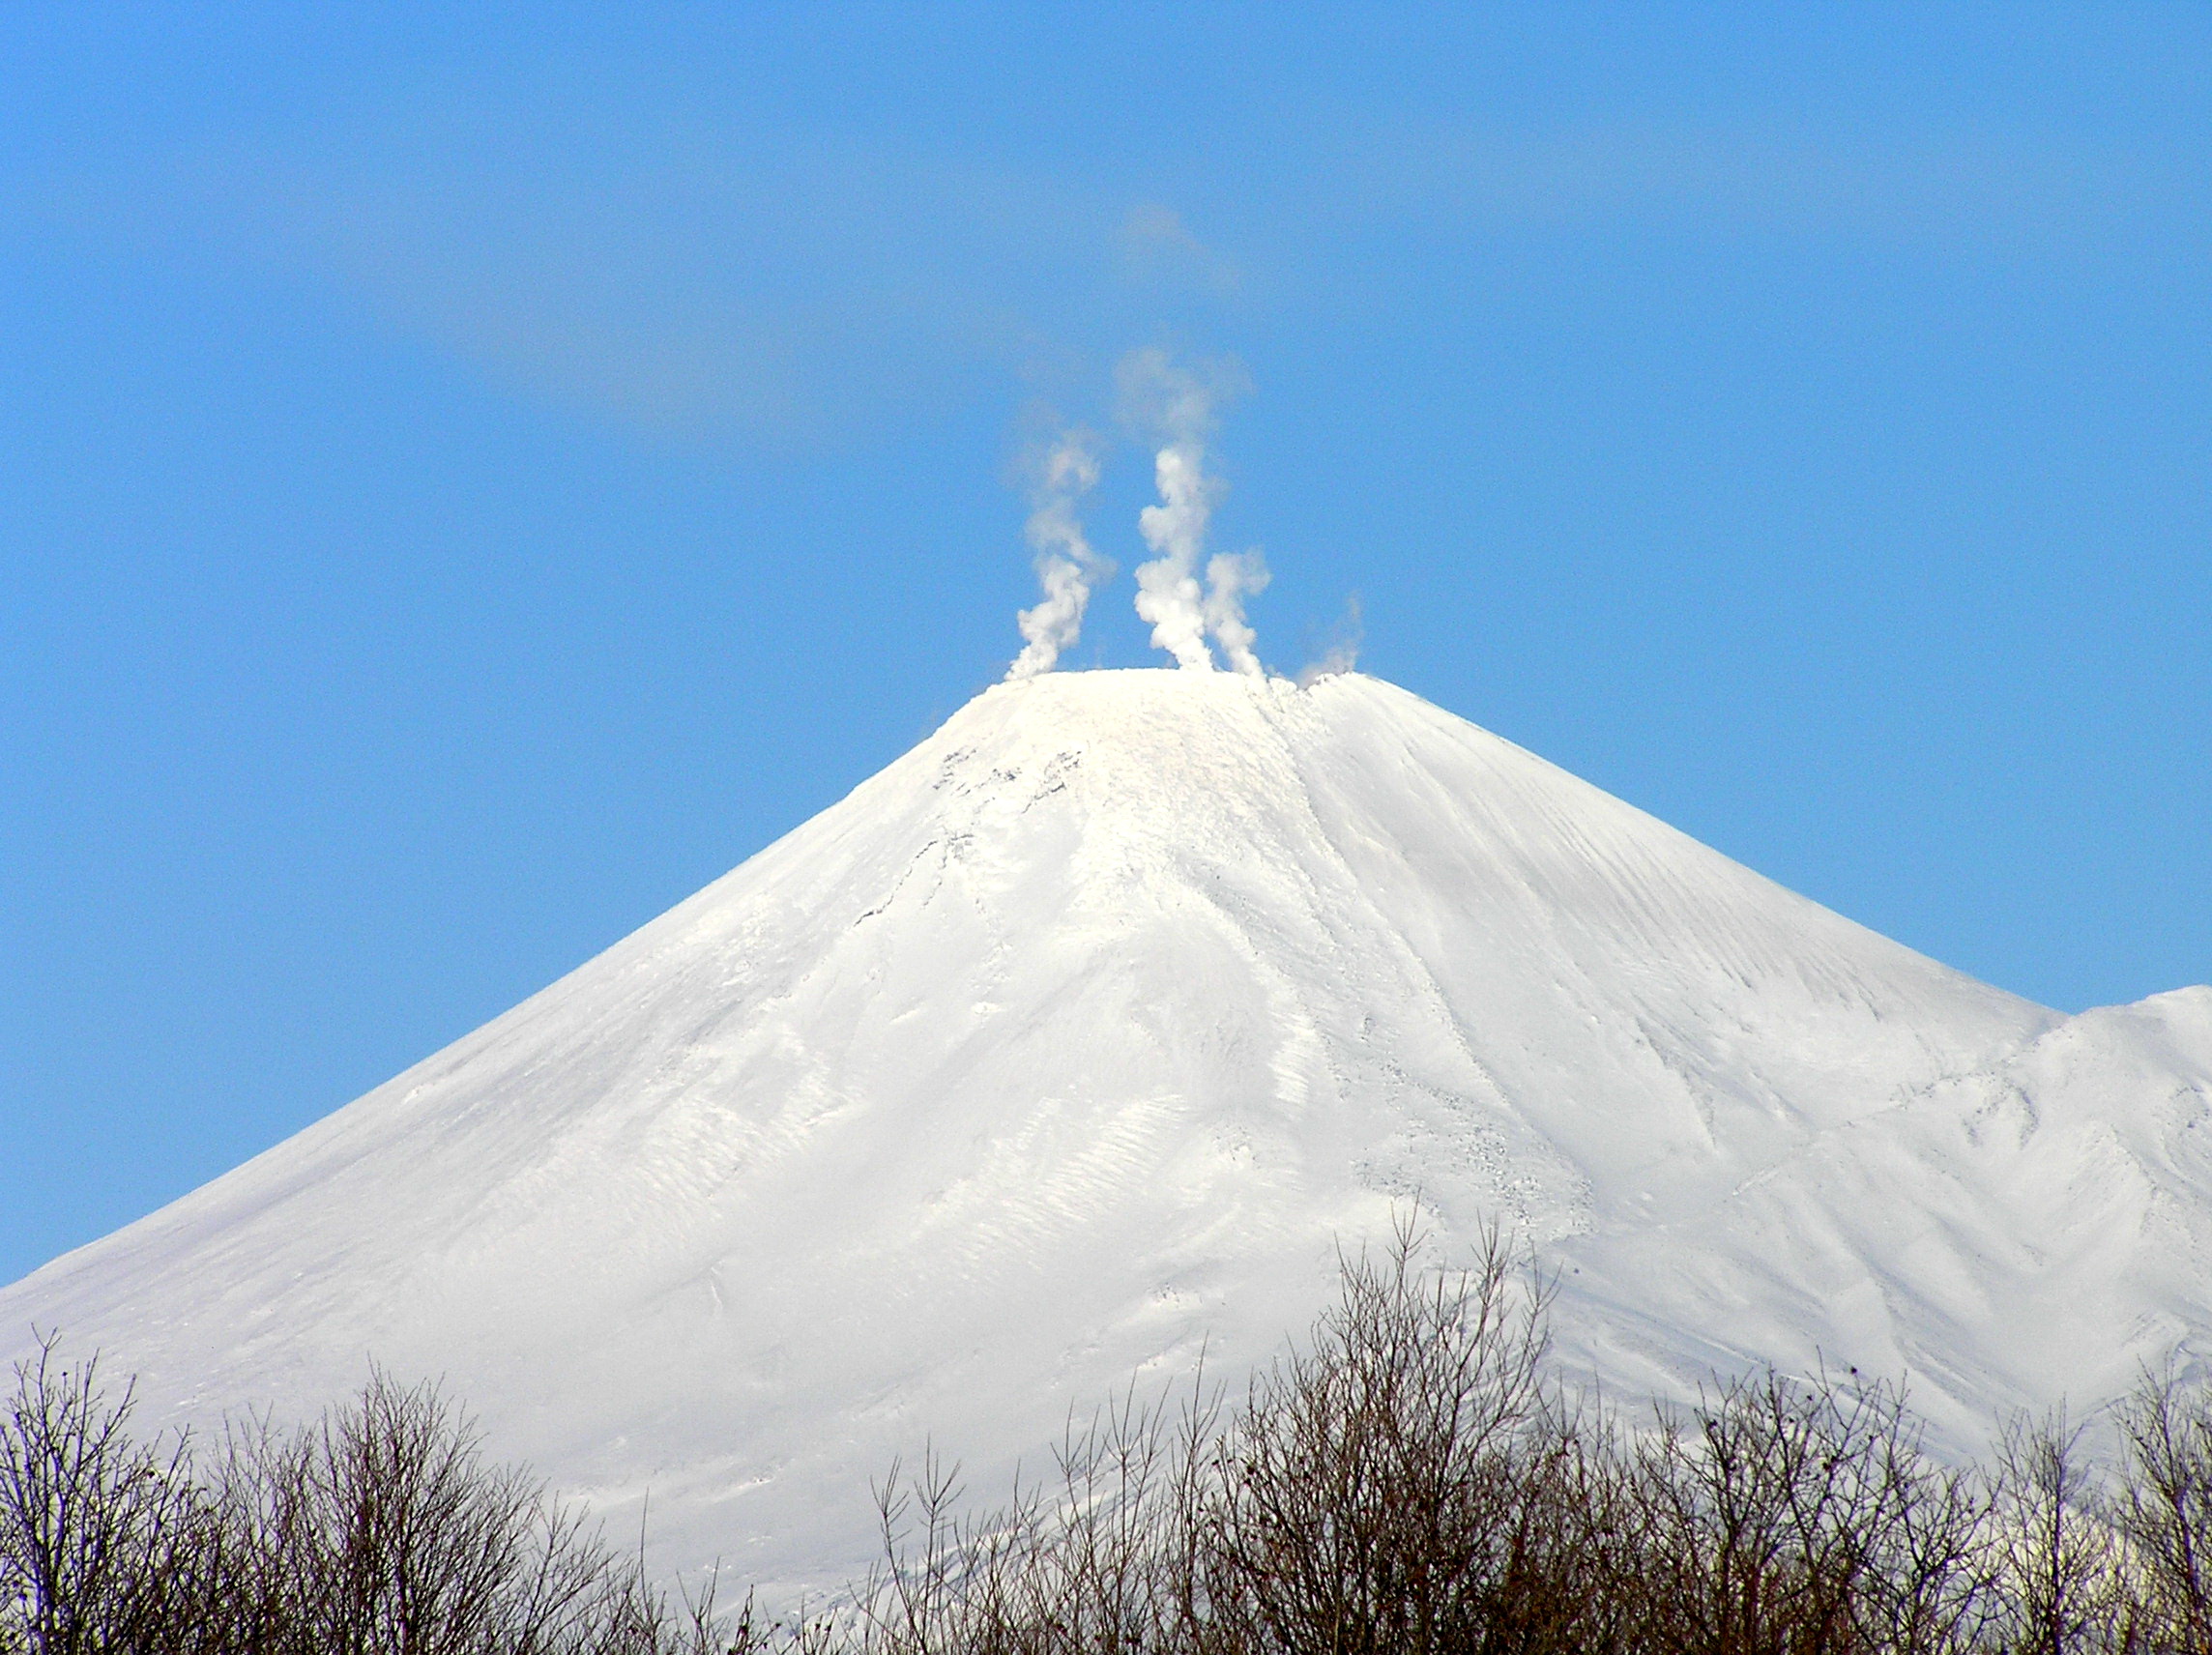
[1167, 591]
[1066, 563]
[1177, 406]
[1230, 578]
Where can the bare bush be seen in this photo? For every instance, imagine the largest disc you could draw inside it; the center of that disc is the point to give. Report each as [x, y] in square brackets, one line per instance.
[2067, 1590]
[2163, 1511]
[1784, 1516]
[96, 1530]
[1409, 1481]
[379, 1530]
[1412, 1483]
[1098, 1560]
[402, 1539]
[1372, 1496]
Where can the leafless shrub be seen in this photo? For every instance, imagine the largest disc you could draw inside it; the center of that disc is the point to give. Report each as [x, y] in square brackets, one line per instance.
[1374, 1493]
[381, 1530]
[1404, 1484]
[2163, 1510]
[2063, 1570]
[1411, 1482]
[401, 1538]
[1098, 1560]
[92, 1524]
[1784, 1516]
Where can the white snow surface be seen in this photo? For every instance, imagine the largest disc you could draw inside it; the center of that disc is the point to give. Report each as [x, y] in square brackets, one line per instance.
[1085, 1035]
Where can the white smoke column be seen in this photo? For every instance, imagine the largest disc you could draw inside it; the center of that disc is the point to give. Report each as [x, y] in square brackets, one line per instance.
[1066, 565]
[1230, 577]
[1175, 406]
[1167, 587]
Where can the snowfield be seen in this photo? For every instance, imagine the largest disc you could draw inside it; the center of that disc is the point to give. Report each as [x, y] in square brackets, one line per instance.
[1083, 1035]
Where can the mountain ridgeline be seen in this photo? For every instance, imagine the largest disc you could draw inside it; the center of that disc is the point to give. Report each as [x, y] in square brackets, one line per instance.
[1084, 1037]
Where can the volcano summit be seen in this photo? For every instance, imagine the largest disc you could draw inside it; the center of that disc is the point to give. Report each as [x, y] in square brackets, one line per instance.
[1084, 1034]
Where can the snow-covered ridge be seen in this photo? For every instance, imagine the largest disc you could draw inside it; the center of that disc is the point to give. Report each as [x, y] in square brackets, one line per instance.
[1085, 1032]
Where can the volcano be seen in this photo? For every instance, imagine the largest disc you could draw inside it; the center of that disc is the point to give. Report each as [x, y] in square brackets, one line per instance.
[1083, 1037]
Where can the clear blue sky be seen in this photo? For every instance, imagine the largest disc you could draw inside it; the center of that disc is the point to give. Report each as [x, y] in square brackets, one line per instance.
[467, 478]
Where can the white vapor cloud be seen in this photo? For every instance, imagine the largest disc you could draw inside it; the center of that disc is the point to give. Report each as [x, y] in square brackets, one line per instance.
[1230, 577]
[1168, 592]
[1066, 564]
[1175, 406]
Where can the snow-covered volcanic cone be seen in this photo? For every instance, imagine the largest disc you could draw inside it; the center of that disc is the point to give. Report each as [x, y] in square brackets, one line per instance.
[1084, 1032]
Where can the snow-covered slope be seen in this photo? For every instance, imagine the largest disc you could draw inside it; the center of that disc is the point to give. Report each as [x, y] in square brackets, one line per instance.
[1084, 1032]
